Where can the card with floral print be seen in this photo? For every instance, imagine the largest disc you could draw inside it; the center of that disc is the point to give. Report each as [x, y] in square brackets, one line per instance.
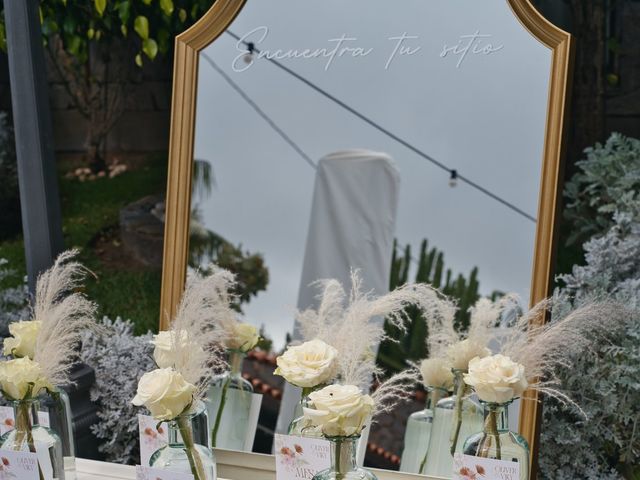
[468, 467]
[18, 465]
[152, 437]
[300, 458]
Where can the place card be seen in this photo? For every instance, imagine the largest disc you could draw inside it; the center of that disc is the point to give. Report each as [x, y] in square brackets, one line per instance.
[148, 473]
[152, 437]
[42, 453]
[468, 467]
[19, 465]
[300, 458]
[7, 420]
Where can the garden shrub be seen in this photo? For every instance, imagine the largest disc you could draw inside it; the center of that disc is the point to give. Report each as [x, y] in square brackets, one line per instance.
[608, 181]
[119, 359]
[606, 382]
[14, 301]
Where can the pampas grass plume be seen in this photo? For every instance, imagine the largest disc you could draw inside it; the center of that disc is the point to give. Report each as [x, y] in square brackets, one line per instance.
[65, 314]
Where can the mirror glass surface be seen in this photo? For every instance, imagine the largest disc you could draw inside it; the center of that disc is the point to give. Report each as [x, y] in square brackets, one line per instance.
[460, 81]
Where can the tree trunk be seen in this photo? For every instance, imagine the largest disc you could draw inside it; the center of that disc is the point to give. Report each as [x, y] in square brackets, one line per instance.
[97, 90]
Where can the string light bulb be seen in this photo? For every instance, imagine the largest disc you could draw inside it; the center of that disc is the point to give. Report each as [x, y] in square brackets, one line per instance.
[248, 57]
[453, 179]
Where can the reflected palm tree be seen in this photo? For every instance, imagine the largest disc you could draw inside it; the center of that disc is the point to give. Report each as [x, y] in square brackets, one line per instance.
[207, 246]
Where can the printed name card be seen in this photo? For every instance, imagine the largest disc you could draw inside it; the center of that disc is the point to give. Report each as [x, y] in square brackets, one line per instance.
[7, 420]
[19, 465]
[299, 458]
[152, 437]
[148, 473]
[467, 467]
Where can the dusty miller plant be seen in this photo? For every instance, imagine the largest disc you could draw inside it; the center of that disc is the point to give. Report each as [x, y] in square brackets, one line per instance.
[119, 360]
[605, 383]
[608, 181]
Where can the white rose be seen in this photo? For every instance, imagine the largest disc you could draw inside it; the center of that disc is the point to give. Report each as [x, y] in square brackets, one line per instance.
[23, 340]
[461, 353]
[22, 378]
[339, 410]
[243, 337]
[308, 365]
[496, 379]
[436, 372]
[165, 393]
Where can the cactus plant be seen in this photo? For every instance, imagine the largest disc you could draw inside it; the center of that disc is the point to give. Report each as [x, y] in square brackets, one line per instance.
[411, 344]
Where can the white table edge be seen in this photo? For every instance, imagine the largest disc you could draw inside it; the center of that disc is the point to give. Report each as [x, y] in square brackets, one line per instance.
[232, 465]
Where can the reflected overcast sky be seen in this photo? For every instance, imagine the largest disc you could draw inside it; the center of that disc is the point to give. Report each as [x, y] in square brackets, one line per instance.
[480, 113]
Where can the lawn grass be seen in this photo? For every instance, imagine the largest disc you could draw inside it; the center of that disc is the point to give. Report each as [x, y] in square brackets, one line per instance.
[89, 208]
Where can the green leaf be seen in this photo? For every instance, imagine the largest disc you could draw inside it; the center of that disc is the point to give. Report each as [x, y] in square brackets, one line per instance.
[139, 60]
[147, 2]
[69, 25]
[3, 38]
[163, 40]
[100, 5]
[150, 47]
[182, 15]
[124, 11]
[167, 7]
[141, 26]
[124, 30]
[90, 33]
[74, 45]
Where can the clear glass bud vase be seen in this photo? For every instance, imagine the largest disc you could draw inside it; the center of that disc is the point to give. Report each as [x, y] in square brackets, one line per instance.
[299, 426]
[30, 436]
[418, 433]
[187, 451]
[58, 407]
[497, 442]
[344, 465]
[229, 404]
[455, 419]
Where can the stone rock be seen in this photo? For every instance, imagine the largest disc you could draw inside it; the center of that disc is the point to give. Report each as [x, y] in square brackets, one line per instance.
[142, 232]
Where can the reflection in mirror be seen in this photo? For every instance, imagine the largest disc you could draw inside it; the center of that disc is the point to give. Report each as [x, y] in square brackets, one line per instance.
[405, 142]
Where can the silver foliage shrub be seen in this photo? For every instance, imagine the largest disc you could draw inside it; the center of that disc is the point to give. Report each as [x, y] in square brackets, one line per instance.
[606, 383]
[119, 359]
[608, 179]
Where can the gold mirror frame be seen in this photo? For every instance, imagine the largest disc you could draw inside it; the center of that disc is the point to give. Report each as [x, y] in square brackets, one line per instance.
[183, 113]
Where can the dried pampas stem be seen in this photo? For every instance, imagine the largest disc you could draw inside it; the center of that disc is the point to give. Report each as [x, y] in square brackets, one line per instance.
[354, 324]
[397, 388]
[206, 301]
[544, 348]
[65, 315]
[485, 317]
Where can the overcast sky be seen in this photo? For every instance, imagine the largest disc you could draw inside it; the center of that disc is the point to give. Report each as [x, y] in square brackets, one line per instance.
[480, 113]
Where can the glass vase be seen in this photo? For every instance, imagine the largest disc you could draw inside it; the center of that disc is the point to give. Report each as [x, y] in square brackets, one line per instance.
[497, 442]
[455, 419]
[186, 450]
[58, 406]
[29, 434]
[299, 426]
[344, 465]
[229, 405]
[418, 433]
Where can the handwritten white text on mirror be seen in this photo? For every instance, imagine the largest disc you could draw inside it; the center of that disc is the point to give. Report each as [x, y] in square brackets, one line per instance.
[403, 45]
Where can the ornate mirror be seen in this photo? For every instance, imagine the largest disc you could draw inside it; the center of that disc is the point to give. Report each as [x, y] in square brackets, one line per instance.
[462, 100]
